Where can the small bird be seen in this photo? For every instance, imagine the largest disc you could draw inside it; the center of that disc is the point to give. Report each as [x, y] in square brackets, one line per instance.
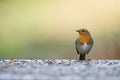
[84, 43]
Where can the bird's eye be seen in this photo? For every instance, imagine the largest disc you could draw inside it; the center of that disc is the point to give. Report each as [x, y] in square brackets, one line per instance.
[83, 30]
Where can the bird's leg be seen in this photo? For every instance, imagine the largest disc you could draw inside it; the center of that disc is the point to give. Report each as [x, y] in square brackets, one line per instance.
[82, 57]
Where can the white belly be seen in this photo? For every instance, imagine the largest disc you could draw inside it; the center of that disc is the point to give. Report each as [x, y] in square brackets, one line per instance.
[85, 46]
[84, 49]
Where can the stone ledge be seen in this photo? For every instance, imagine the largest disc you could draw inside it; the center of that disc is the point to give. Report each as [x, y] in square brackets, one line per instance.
[22, 69]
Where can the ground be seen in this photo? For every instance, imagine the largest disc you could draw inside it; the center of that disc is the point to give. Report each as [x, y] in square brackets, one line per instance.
[59, 69]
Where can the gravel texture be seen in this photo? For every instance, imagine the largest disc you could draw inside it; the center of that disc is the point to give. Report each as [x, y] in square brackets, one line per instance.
[59, 69]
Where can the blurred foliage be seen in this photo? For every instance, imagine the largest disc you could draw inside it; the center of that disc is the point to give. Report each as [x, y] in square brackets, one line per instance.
[46, 28]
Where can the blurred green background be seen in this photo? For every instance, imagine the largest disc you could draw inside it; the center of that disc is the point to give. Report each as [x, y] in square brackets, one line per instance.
[45, 29]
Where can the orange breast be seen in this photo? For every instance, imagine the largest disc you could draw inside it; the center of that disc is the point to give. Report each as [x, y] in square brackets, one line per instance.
[84, 39]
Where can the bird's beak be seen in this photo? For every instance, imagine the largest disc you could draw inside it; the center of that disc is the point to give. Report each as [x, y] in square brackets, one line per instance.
[77, 30]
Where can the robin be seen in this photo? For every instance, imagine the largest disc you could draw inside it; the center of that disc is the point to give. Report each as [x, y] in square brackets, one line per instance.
[84, 43]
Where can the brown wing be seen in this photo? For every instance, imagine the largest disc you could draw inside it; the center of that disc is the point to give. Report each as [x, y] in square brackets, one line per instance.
[76, 47]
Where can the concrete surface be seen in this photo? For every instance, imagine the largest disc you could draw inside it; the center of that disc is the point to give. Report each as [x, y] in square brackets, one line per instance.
[59, 69]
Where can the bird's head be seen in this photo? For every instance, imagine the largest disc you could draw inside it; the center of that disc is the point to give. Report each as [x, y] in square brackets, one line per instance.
[83, 32]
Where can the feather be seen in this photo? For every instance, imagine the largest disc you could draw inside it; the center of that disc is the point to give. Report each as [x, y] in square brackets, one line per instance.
[76, 47]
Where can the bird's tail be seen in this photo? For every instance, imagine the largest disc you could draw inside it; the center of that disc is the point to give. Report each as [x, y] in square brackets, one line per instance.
[82, 57]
